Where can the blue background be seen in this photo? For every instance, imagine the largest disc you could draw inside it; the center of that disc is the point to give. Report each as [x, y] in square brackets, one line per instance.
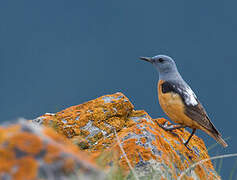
[55, 54]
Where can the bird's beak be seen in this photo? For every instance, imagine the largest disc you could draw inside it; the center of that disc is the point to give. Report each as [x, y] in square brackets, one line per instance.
[148, 59]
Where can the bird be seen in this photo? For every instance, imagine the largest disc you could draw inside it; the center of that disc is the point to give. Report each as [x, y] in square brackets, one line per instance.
[179, 102]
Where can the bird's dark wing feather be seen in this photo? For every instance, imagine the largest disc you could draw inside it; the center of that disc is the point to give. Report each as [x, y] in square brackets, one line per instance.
[198, 114]
[195, 112]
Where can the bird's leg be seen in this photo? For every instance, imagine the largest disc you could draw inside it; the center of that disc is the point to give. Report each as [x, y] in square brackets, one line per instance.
[186, 143]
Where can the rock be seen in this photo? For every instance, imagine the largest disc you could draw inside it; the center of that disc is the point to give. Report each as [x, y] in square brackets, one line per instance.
[29, 152]
[109, 124]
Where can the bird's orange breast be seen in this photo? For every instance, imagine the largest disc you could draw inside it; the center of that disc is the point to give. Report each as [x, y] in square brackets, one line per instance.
[173, 106]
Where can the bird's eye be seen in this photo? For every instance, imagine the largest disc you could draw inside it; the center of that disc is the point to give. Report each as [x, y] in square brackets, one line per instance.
[161, 60]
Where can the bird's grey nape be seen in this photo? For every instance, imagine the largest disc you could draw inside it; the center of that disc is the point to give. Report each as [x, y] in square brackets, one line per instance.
[166, 67]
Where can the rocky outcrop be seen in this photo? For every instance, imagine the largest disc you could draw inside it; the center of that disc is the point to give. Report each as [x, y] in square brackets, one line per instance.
[30, 152]
[109, 128]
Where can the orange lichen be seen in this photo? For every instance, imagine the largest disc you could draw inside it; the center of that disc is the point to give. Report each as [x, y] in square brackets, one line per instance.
[92, 126]
[162, 178]
[52, 153]
[27, 142]
[7, 159]
[25, 169]
[69, 165]
[106, 109]
[82, 143]
[26, 150]
[8, 131]
[116, 122]
[134, 153]
[55, 136]
[143, 140]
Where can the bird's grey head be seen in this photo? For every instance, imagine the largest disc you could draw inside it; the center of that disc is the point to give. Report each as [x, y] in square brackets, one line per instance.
[164, 64]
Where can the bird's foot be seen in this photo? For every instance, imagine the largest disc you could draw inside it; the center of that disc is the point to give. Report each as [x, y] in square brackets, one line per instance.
[165, 126]
[170, 127]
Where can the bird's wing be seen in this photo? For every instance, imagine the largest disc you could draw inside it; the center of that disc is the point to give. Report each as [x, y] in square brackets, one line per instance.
[198, 114]
[193, 108]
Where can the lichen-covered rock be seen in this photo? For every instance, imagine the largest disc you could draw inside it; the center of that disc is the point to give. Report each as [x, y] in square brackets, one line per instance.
[29, 152]
[110, 124]
[92, 120]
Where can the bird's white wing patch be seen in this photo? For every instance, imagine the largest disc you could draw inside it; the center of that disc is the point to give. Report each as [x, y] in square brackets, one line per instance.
[185, 92]
[191, 98]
